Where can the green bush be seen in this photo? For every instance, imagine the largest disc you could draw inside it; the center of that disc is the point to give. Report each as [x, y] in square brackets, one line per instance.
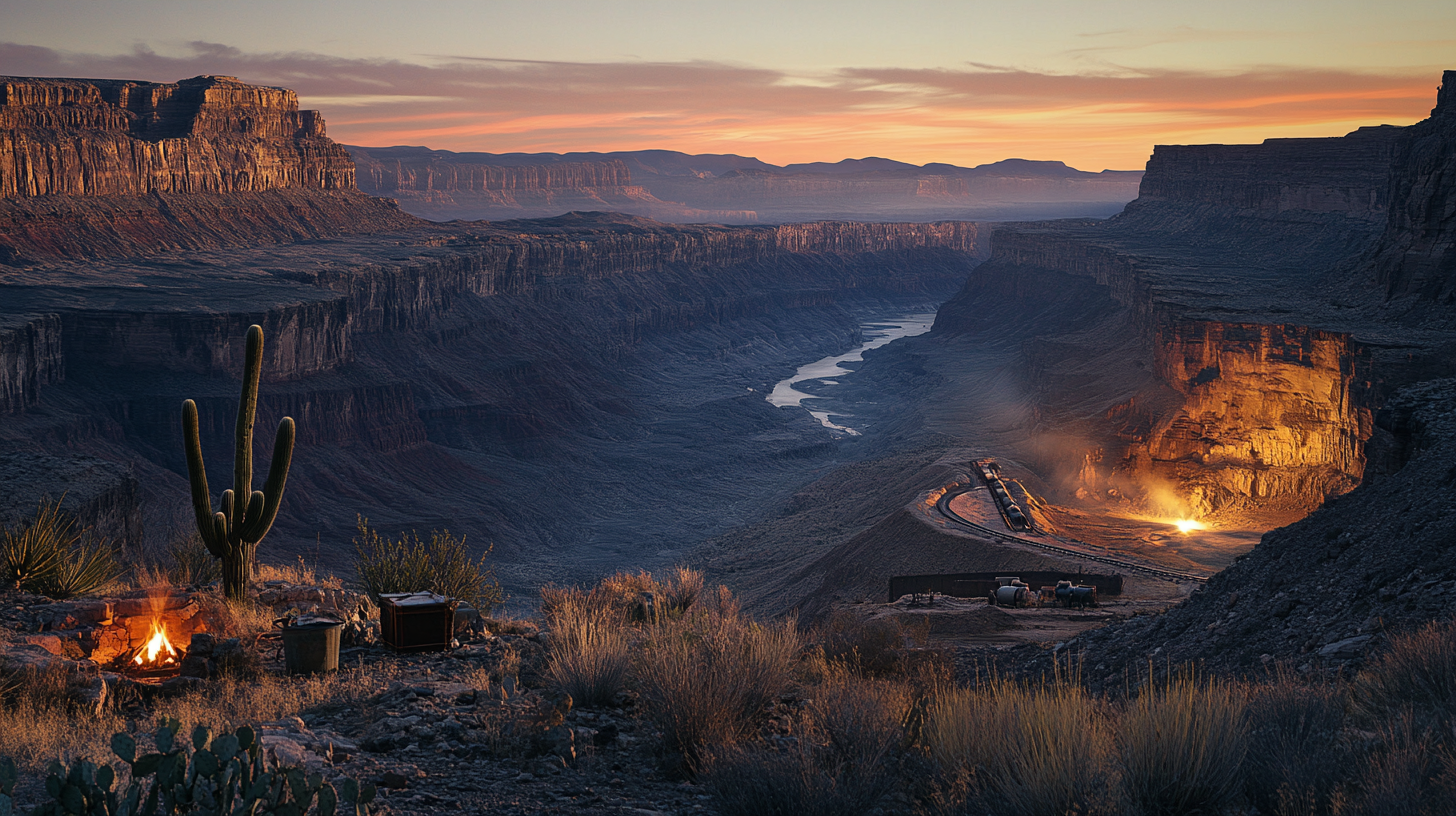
[409, 564]
[226, 774]
[49, 556]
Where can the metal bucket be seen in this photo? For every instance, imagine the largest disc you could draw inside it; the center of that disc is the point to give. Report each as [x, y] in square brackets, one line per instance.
[312, 647]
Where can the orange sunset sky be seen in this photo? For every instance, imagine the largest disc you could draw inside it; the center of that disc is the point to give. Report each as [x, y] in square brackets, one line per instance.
[1094, 84]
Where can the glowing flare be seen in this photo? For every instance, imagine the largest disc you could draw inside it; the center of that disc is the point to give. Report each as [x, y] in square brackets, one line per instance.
[1186, 526]
[157, 645]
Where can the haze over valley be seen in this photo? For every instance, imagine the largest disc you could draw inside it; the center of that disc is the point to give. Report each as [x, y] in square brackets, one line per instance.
[702, 452]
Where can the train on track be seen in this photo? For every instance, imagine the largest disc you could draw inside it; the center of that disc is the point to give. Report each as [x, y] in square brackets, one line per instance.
[1015, 517]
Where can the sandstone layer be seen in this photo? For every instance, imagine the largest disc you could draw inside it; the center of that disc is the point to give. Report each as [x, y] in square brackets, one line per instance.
[92, 168]
[444, 186]
[1228, 337]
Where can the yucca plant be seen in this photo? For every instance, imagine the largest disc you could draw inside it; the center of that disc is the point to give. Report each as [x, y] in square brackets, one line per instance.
[51, 557]
[34, 552]
[88, 566]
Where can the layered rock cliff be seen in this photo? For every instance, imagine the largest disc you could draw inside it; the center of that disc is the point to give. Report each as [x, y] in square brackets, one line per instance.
[442, 186]
[1241, 344]
[110, 167]
[1417, 252]
[681, 188]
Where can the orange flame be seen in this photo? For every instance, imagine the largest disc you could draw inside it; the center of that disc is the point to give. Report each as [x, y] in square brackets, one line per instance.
[1186, 526]
[157, 646]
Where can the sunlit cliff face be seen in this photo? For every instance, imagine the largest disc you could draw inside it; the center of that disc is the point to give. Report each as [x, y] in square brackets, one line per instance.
[1265, 415]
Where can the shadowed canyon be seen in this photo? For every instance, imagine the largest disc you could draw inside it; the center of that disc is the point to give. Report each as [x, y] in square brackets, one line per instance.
[589, 391]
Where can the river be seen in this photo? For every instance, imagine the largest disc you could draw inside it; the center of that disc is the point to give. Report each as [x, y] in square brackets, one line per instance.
[830, 370]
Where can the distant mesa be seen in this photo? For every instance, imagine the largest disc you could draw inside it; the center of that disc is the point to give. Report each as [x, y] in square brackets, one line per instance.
[723, 188]
[103, 167]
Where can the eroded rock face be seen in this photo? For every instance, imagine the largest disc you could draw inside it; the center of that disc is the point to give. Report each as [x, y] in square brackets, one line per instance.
[1417, 253]
[1233, 342]
[30, 358]
[96, 167]
[1267, 410]
[207, 134]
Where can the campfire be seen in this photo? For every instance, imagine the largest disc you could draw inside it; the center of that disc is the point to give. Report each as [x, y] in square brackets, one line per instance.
[156, 657]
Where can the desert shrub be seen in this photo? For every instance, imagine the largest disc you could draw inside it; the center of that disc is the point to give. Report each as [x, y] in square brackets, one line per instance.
[443, 565]
[1416, 676]
[191, 563]
[841, 760]
[682, 589]
[707, 677]
[299, 573]
[49, 556]
[1397, 778]
[1181, 746]
[1027, 748]
[588, 654]
[1297, 755]
[877, 647]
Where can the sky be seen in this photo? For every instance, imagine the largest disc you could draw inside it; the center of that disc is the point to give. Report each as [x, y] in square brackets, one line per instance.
[1094, 84]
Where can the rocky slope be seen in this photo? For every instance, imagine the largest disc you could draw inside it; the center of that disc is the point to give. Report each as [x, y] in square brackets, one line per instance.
[1320, 595]
[111, 167]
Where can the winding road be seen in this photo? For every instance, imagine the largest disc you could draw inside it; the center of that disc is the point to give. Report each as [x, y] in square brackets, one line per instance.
[944, 507]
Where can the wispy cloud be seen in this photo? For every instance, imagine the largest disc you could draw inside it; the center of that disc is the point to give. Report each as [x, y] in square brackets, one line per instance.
[1110, 117]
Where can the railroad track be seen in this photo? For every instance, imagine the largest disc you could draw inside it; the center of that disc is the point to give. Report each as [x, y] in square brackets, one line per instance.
[944, 507]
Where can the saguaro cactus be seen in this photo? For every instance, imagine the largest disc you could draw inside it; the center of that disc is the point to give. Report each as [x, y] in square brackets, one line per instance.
[233, 534]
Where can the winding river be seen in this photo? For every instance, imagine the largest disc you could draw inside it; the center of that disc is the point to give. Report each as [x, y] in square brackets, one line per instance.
[829, 370]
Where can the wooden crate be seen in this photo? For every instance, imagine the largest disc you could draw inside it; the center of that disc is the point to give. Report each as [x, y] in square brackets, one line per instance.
[416, 621]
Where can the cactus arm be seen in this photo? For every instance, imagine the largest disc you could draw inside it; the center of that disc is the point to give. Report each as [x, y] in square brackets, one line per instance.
[197, 477]
[258, 525]
[226, 509]
[255, 511]
[247, 412]
[219, 527]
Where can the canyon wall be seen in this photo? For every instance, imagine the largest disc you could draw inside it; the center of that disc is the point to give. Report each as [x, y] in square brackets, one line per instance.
[1417, 252]
[441, 186]
[1267, 411]
[30, 358]
[91, 168]
[207, 134]
[1346, 174]
[1244, 341]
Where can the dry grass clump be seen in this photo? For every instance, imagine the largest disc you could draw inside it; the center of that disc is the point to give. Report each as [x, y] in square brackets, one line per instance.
[640, 595]
[1026, 748]
[1416, 676]
[1182, 746]
[706, 677]
[298, 574]
[1298, 756]
[41, 722]
[588, 654]
[880, 647]
[841, 759]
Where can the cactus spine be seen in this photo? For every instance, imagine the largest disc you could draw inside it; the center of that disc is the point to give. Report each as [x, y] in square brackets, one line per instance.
[233, 534]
